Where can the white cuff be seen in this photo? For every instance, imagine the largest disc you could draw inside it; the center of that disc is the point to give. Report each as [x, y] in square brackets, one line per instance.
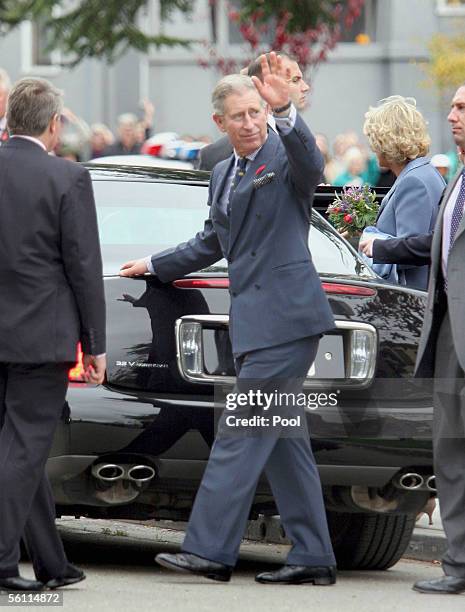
[148, 263]
[286, 124]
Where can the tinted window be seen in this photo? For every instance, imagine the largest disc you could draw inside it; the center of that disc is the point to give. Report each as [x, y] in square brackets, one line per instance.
[137, 219]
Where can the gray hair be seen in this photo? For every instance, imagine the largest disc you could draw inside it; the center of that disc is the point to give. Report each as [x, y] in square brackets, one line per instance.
[31, 106]
[5, 82]
[231, 84]
[127, 119]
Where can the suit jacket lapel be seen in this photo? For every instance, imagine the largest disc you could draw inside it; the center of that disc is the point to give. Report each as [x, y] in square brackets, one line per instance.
[385, 200]
[223, 172]
[244, 191]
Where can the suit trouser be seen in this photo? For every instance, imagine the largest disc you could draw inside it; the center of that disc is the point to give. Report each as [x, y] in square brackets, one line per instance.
[31, 402]
[449, 448]
[222, 505]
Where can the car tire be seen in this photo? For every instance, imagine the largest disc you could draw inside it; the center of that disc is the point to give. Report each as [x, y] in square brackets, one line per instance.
[369, 541]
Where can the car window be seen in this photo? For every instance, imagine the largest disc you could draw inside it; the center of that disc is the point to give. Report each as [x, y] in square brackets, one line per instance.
[139, 218]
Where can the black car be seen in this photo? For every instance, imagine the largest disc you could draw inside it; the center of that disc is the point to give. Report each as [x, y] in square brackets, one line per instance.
[136, 447]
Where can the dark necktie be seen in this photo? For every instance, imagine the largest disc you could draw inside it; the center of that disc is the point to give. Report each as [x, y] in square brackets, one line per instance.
[456, 218]
[240, 171]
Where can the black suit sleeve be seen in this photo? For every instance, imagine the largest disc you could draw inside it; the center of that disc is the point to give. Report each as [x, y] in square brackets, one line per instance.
[82, 259]
[414, 250]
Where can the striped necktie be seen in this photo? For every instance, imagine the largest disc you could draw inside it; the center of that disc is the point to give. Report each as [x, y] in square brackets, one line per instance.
[240, 171]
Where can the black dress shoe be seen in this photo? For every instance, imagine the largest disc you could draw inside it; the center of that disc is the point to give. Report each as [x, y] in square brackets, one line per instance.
[18, 583]
[71, 576]
[299, 574]
[188, 562]
[447, 585]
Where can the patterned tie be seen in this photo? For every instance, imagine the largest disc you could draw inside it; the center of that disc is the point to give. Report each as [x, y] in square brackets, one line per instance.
[457, 215]
[240, 171]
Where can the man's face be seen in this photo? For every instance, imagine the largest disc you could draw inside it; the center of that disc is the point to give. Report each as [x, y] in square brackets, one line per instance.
[244, 121]
[128, 135]
[456, 118]
[3, 99]
[298, 88]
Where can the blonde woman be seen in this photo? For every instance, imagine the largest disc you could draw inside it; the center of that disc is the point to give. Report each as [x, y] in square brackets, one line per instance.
[397, 133]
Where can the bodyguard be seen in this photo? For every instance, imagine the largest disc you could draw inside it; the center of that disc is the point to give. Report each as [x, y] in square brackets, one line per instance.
[260, 209]
[51, 298]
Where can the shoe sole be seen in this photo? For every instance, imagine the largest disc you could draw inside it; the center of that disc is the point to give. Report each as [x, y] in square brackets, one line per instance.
[66, 582]
[183, 570]
[314, 581]
[426, 592]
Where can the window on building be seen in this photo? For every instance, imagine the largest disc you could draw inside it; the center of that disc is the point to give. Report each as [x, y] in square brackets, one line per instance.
[362, 30]
[36, 55]
[451, 7]
[40, 41]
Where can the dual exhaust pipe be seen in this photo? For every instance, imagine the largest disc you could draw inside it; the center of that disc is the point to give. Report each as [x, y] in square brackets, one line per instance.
[412, 481]
[121, 483]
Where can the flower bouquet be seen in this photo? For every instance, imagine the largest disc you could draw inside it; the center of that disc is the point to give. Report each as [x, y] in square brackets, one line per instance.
[353, 209]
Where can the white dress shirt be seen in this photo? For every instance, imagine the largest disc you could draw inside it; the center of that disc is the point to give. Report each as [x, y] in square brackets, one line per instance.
[446, 223]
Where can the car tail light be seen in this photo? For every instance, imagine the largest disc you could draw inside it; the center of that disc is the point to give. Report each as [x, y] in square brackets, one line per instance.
[76, 374]
[202, 283]
[341, 289]
[223, 283]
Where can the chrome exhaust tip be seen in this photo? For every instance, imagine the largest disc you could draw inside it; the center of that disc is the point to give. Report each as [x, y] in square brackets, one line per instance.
[431, 483]
[107, 472]
[141, 474]
[411, 481]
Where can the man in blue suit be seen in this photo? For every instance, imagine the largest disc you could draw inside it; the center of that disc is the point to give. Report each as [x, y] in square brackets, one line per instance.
[260, 210]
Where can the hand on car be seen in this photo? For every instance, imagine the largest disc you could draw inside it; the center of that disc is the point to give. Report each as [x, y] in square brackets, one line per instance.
[133, 268]
[94, 368]
[366, 246]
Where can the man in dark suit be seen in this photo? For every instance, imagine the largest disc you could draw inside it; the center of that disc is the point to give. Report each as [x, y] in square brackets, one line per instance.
[51, 299]
[298, 91]
[260, 202]
[441, 353]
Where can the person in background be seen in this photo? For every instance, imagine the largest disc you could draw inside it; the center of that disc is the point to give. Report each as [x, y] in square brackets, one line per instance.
[356, 168]
[442, 164]
[5, 86]
[127, 132]
[397, 133]
[323, 144]
[100, 139]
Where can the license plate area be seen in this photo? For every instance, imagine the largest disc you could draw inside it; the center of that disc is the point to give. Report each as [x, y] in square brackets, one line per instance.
[346, 356]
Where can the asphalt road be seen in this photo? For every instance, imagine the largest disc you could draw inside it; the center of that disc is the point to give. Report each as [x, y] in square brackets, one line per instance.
[121, 575]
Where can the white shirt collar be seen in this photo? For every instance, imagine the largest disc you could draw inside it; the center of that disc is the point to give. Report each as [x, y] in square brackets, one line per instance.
[32, 139]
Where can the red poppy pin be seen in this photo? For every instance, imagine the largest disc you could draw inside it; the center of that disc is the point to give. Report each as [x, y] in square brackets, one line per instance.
[260, 169]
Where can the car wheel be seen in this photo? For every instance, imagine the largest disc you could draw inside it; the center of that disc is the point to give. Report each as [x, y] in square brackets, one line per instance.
[369, 541]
